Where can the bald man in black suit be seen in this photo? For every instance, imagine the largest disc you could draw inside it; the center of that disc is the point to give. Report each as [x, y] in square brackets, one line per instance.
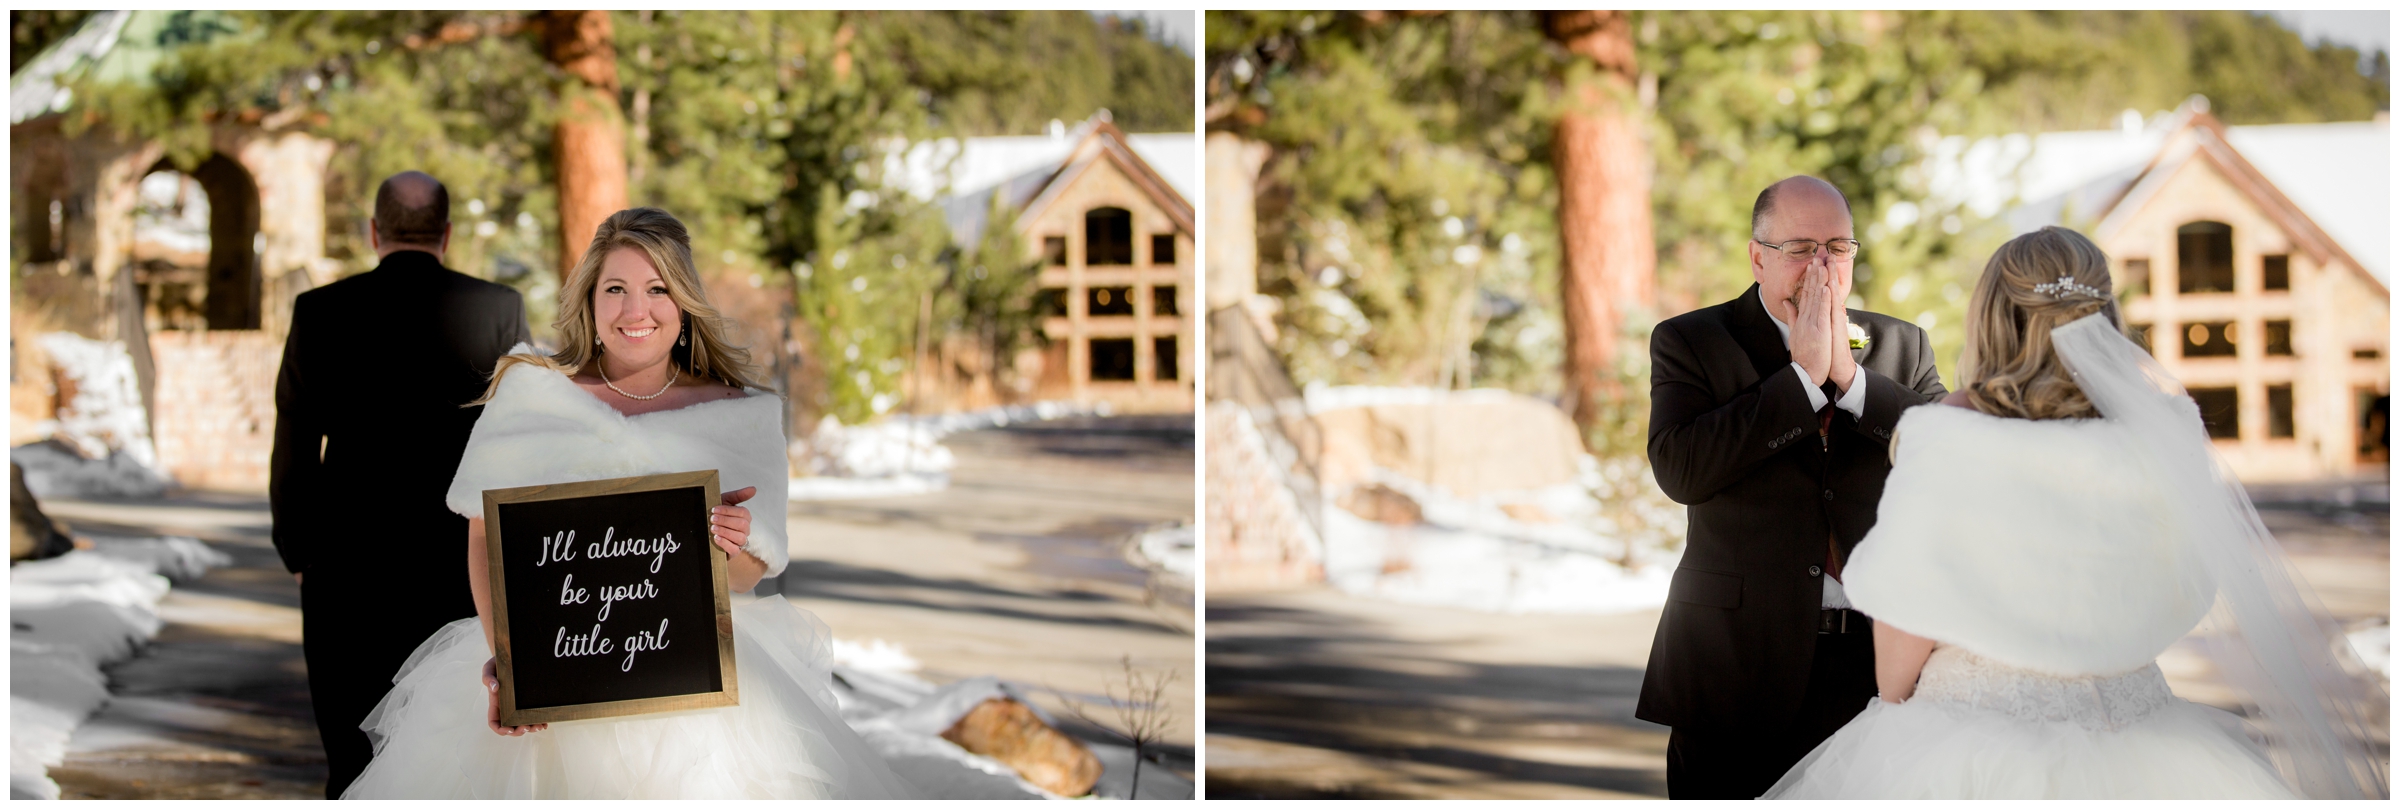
[368, 434]
[1771, 416]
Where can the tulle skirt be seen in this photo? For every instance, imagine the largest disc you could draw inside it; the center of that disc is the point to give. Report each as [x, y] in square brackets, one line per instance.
[785, 741]
[1940, 750]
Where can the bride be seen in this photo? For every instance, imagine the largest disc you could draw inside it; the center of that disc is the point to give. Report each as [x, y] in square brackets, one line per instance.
[646, 384]
[2040, 543]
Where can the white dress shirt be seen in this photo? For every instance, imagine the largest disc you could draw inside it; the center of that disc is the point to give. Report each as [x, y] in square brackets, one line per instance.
[1853, 400]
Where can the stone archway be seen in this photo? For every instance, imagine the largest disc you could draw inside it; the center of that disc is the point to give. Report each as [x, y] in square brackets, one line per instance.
[225, 276]
[233, 221]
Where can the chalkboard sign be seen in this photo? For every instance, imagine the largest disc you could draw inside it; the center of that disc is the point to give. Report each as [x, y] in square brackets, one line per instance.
[608, 598]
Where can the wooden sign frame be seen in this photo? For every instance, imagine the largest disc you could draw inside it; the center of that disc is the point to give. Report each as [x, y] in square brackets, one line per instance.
[495, 533]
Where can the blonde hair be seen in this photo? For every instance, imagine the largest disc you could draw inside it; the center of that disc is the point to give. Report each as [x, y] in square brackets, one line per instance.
[663, 239]
[2009, 366]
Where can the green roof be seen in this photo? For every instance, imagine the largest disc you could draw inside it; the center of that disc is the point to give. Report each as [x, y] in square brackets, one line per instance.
[112, 47]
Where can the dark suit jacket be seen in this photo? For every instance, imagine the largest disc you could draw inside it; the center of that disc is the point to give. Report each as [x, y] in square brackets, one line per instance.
[1732, 436]
[376, 367]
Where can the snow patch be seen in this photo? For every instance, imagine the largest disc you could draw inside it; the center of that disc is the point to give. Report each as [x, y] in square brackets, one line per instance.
[1174, 549]
[876, 655]
[2373, 645]
[69, 616]
[100, 443]
[901, 455]
[1606, 542]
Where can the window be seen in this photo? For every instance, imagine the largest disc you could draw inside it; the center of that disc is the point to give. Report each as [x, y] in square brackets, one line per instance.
[1162, 250]
[2221, 410]
[2279, 411]
[1112, 359]
[1109, 301]
[1107, 237]
[2204, 258]
[1054, 251]
[2137, 277]
[1164, 349]
[2208, 339]
[1162, 301]
[2276, 273]
[2374, 425]
[2279, 338]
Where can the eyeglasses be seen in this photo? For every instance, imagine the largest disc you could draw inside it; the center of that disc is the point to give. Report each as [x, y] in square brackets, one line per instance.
[1807, 248]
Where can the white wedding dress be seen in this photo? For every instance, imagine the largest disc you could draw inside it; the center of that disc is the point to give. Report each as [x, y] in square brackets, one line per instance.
[2038, 559]
[784, 741]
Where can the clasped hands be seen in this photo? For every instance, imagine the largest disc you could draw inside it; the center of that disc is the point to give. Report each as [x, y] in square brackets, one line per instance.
[728, 528]
[1821, 328]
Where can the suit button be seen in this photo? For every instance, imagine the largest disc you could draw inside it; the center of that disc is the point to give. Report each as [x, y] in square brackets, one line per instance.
[1828, 494]
[1815, 570]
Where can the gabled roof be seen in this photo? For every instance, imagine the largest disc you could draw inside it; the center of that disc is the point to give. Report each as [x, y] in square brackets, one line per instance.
[2199, 136]
[1023, 171]
[1102, 141]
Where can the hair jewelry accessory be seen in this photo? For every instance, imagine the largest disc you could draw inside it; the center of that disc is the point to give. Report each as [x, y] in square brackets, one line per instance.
[2066, 286]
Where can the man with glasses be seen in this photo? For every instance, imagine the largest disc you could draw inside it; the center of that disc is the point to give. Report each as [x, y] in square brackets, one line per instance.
[1771, 416]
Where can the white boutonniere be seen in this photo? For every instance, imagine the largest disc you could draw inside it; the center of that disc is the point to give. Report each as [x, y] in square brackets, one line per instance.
[1858, 337]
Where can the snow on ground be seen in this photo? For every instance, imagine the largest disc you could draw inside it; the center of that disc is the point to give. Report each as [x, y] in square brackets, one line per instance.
[2374, 647]
[876, 655]
[68, 617]
[1433, 564]
[1173, 548]
[1471, 553]
[901, 455]
[902, 717]
[100, 443]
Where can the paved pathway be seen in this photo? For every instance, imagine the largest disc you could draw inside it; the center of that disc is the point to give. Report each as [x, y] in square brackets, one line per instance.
[1015, 571]
[1316, 694]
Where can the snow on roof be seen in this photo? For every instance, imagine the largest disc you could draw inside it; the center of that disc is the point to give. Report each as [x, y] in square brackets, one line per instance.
[2341, 174]
[1017, 167]
[39, 88]
[2338, 174]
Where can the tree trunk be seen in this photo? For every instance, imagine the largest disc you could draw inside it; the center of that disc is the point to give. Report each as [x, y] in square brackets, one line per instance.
[1608, 261]
[591, 130]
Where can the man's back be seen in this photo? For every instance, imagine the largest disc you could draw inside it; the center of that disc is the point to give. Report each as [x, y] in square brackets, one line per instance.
[376, 368]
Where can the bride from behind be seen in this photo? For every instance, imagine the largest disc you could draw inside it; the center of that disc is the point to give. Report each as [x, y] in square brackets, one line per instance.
[647, 383]
[2042, 540]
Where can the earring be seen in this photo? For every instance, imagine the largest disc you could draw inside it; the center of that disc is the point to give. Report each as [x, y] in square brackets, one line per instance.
[684, 339]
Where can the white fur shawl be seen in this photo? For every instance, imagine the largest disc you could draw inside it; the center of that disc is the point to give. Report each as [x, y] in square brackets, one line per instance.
[2034, 543]
[540, 428]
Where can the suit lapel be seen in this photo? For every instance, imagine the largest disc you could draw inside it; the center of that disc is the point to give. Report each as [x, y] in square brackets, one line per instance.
[1757, 335]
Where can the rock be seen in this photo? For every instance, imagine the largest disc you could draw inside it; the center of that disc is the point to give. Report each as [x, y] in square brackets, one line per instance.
[1383, 504]
[1470, 443]
[1528, 513]
[1009, 731]
[31, 535]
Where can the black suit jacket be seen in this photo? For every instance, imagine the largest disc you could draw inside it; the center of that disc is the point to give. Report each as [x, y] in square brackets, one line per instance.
[375, 369]
[1732, 436]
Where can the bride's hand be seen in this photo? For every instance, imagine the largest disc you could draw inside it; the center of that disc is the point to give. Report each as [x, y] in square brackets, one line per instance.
[729, 524]
[491, 713]
[729, 528]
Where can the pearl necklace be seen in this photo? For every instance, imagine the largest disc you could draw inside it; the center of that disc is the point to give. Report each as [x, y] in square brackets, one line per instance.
[613, 386]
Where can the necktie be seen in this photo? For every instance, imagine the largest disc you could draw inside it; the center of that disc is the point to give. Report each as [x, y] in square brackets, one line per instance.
[1833, 557]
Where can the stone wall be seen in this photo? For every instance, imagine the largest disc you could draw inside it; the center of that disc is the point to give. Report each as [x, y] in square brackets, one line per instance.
[1257, 534]
[215, 418]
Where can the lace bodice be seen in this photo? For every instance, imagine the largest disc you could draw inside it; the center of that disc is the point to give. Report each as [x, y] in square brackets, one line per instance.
[2099, 703]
